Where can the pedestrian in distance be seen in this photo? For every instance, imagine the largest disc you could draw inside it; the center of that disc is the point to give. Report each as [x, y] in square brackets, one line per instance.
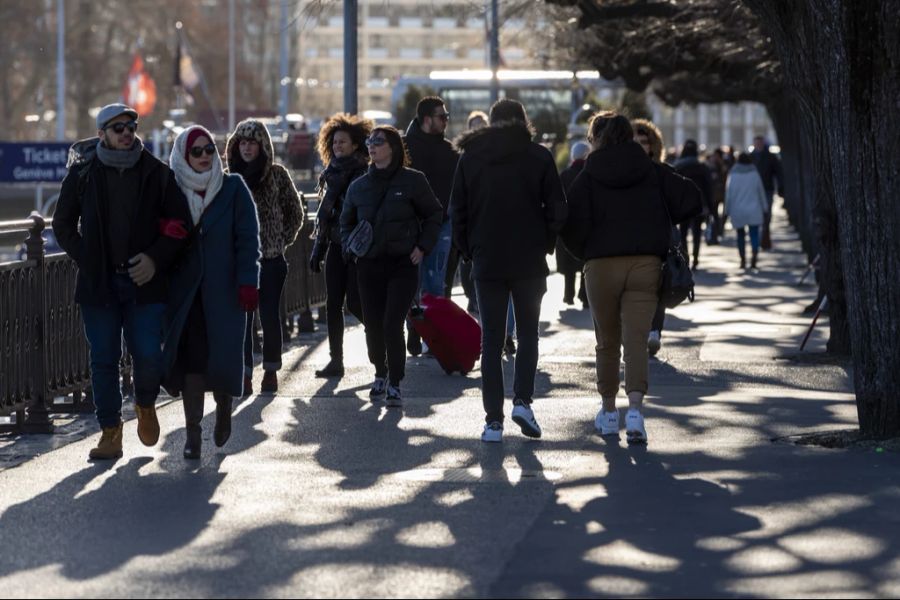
[405, 218]
[567, 264]
[249, 153]
[621, 209]
[342, 148]
[772, 174]
[507, 208]
[214, 285]
[650, 138]
[746, 204]
[689, 165]
[123, 219]
[434, 155]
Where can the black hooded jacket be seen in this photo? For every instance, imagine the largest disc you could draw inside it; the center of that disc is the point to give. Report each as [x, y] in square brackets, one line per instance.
[616, 205]
[434, 155]
[507, 203]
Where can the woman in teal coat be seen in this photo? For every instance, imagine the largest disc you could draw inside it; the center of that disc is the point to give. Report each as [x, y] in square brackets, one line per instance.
[212, 287]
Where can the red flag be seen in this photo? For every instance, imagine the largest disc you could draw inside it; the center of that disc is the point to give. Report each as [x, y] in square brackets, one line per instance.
[140, 89]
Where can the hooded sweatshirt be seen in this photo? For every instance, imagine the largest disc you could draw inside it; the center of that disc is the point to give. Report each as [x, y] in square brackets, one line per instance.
[434, 155]
[507, 203]
[278, 205]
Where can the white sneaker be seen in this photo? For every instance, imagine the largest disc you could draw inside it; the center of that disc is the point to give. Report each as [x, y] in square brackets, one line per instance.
[394, 399]
[493, 432]
[634, 427]
[524, 418]
[607, 423]
[653, 343]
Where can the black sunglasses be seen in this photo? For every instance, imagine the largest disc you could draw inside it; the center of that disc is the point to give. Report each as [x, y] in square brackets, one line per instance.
[198, 151]
[375, 141]
[120, 127]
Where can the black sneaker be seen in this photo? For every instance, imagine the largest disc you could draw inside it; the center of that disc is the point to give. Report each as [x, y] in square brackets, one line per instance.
[378, 389]
[334, 368]
[394, 399]
[414, 344]
[510, 346]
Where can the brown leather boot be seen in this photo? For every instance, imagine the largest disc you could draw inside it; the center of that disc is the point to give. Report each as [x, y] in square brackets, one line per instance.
[110, 445]
[269, 383]
[148, 424]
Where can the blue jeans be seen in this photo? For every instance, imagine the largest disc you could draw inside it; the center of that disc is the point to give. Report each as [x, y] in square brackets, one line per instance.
[434, 266]
[142, 326]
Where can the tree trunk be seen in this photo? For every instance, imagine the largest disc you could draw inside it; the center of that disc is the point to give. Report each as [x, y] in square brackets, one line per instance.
[842, 58]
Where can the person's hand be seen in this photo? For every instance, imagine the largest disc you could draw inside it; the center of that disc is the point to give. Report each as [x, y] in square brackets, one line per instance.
[416, 255]
[316, 258]
[248, 298]
[141, 269]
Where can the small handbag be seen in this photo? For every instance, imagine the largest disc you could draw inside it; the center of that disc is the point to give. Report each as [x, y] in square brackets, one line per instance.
[359, 242]
[676, 281]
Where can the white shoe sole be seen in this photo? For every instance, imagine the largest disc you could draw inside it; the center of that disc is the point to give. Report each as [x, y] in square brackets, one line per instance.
[491, 439]
[529, 427]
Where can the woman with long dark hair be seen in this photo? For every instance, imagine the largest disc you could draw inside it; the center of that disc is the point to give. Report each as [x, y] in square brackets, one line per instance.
[342, 148]
[406, 219]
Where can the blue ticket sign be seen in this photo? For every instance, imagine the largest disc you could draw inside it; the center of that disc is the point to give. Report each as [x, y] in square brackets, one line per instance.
[33, 162]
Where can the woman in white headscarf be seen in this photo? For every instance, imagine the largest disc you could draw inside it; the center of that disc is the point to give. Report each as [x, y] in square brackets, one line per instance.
[212, 288]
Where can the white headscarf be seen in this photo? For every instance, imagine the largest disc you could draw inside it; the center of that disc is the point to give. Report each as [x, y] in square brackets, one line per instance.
[189, 180]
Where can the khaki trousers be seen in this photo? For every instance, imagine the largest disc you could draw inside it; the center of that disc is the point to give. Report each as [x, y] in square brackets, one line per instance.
[622, 292]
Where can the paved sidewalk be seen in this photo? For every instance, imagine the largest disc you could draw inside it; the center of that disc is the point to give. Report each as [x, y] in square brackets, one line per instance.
[320, 493]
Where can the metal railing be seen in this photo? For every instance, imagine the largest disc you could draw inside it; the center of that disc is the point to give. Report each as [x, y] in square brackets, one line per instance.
[43, 352]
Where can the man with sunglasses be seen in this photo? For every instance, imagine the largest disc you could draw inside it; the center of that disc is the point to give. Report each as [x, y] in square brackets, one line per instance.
[122, 218]
[433, 154]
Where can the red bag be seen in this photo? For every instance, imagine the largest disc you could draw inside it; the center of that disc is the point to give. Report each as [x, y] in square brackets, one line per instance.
[452, 335]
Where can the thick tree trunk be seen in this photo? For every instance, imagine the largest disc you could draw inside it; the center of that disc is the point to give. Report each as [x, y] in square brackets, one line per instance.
[842, 57]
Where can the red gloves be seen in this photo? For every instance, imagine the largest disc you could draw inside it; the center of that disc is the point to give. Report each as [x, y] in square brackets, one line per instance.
[172, 228]
[248, 298]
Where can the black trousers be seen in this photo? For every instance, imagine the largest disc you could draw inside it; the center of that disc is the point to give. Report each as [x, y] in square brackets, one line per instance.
[340, 283]
[695, 225]
[493, 302]
[272, 274]
[387, 286]
[465, 275]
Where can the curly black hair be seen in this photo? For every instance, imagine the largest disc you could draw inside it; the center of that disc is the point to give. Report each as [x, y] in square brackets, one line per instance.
[356, 127]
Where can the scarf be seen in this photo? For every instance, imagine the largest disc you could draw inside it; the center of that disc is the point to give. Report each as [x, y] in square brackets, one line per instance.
[200, 189]
[252, 171]
[120, 159]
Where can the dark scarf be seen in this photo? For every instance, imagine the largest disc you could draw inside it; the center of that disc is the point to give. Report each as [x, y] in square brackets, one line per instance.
[120, 159]
[252, 171]
[385, 175]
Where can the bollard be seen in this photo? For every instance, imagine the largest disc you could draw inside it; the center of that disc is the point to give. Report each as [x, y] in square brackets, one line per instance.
[37, 414]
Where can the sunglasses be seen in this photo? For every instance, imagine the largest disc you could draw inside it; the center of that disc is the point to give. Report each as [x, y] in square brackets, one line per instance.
[120, 127]
[375, 142]
[197, 151]
[442, 116]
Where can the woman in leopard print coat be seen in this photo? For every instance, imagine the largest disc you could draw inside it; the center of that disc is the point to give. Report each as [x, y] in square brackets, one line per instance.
[249, 152]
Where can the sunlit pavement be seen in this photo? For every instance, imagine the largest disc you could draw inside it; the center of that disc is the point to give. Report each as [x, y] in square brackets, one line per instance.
[321, 493]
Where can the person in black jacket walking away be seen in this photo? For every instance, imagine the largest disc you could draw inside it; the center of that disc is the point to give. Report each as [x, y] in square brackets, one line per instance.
[619, 223]
[689, 165]
[342, 148]
[770, 170]
[567, 264]
[507, 208]
[406, 220]
[123, 219]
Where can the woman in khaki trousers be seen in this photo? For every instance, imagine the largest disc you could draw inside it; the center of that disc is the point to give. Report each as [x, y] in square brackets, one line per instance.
[621, 208]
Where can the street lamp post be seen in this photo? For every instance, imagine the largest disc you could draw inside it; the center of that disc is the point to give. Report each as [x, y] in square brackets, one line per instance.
[351, 100]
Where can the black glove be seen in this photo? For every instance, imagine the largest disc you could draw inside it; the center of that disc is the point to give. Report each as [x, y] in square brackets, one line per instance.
[316, 258]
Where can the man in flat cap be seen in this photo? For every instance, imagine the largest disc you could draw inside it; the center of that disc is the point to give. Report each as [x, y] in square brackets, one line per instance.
[122, 219]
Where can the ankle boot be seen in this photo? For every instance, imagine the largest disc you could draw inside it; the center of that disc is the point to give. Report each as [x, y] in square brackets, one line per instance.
[334, 368]
[743, 261]
[753, 259]
[192, 402]
[269, 384]
[222, 431]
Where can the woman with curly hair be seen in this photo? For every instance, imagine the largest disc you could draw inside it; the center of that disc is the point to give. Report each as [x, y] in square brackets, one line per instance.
[405, 219]
[342, 147]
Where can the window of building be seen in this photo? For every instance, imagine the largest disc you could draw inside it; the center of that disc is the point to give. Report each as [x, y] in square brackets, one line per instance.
[444, 23]
[411, 53]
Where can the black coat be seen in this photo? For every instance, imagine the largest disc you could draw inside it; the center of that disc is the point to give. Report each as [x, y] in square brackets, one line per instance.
[699, 173]
[616, 205]
[434, 155]
[565, 262]
[82, 218]
[507, 204]
[409, 216]
[333, 183]
[769, 167]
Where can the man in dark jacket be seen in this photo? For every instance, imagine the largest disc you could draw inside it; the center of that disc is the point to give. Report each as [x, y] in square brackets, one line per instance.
[567, 264]
[507, 208]
[689, 166]
[770, 171]
[434, 155]
[122, 218]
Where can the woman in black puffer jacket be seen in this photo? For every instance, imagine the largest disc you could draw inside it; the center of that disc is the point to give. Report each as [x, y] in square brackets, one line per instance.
[342, 147]
[621, 210]
[406, 219]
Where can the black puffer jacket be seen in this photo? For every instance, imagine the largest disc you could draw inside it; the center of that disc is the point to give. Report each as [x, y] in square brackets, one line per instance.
[409, 216]
[81, 224]
[434, 155]
[333, 184]
[507, 204]
[616, 205]
[770, 170]
[699, 173]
